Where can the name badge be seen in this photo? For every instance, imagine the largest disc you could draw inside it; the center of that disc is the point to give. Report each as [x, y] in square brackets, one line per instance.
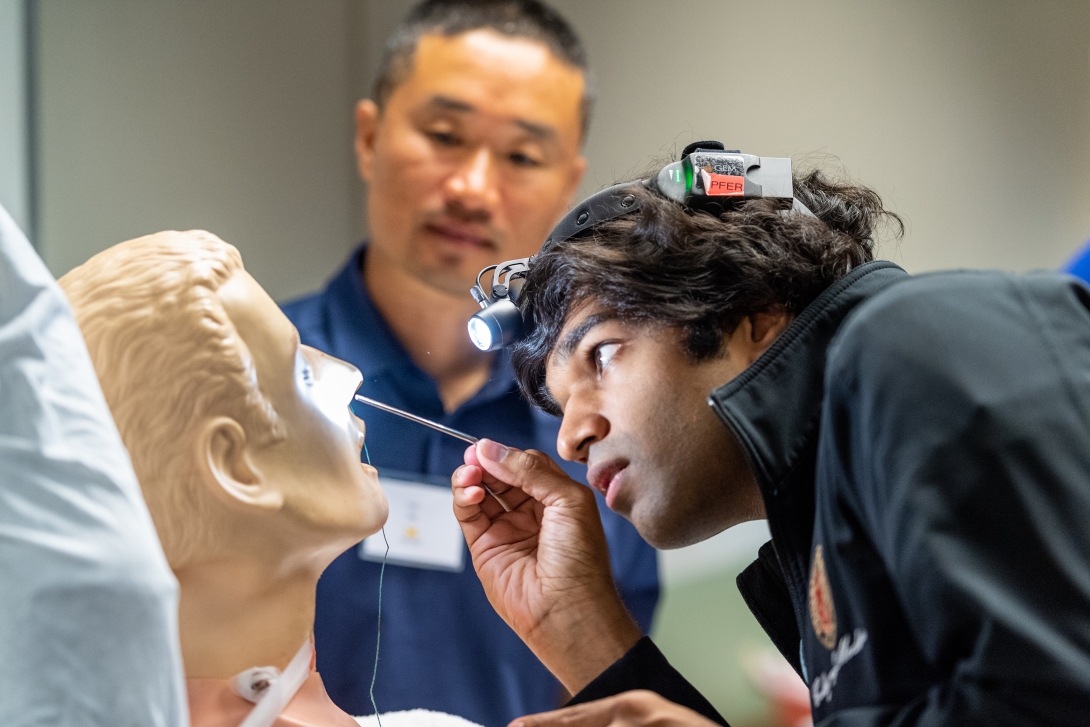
[421, 529]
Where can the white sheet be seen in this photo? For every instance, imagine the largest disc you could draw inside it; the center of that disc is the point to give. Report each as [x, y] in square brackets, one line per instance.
[88, 606]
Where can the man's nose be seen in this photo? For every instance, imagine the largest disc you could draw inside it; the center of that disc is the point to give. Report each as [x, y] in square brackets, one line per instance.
[474, 185]
[582, 426]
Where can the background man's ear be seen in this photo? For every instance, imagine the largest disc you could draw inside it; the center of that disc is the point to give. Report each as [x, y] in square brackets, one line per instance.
[229, 469]
[367, 118]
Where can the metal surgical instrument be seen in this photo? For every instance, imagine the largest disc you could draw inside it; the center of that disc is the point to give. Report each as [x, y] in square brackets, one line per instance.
[434, 425]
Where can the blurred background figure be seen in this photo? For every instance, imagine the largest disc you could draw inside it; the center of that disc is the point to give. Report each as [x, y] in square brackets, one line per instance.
[972, 119]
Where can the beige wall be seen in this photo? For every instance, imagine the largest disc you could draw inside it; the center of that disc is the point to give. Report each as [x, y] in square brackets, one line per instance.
[231, 115]
[14, 173]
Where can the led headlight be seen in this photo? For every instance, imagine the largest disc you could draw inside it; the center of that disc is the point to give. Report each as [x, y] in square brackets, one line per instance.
[496, 326]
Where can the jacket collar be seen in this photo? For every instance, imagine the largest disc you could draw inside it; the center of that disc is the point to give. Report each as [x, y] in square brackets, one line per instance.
[774, 406]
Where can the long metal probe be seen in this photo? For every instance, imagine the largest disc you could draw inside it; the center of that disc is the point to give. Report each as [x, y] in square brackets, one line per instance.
[433, 425]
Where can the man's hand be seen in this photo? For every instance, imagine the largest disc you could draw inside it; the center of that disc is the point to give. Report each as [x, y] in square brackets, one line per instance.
[544, 565]
[631, 709]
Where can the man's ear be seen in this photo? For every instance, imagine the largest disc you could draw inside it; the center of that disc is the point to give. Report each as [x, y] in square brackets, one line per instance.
[578, 169]
[228, 466]
[367, 120]
[766, 327]
[755, 333]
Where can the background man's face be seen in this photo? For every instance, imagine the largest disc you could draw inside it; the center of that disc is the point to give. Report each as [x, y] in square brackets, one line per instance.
[474, 158]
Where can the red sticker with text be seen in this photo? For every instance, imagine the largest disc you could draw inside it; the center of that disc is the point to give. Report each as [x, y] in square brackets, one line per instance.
[722, 185]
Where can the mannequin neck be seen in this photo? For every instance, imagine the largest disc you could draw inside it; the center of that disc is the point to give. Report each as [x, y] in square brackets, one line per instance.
[237, 613]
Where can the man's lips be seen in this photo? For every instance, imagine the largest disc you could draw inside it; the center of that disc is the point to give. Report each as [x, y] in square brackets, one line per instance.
[461, 234]
[606, 476]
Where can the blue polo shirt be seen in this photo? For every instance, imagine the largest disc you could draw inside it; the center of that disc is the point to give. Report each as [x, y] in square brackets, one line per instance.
[443, 646]
[1079, 265]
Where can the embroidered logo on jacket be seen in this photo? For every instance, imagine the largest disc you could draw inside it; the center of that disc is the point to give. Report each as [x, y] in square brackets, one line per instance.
[822, 688]
[822, 610]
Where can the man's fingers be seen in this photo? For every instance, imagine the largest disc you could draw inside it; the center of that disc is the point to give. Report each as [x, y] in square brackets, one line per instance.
[630, 709]
[530, 471]
[591, 714]
[473, 508]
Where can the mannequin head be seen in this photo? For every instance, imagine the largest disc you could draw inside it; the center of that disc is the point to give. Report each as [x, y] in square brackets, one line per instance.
[241, 437]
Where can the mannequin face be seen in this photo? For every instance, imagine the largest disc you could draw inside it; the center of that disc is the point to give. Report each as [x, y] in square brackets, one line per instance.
[309, 487]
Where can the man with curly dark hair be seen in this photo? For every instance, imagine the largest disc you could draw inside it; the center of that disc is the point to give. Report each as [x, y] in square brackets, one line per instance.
[918, 446]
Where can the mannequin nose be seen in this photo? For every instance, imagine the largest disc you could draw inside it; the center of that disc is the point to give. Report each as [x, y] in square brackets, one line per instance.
[474, 185]
[581, 427]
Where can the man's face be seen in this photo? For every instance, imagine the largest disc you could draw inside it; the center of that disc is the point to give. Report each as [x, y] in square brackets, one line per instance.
[635, 411]
[331, 500]
[474, 158]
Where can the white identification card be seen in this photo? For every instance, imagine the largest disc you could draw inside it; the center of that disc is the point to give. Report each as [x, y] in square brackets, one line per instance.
[422, 529]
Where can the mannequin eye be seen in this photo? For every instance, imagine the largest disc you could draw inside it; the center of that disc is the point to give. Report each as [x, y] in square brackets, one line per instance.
[306, 371]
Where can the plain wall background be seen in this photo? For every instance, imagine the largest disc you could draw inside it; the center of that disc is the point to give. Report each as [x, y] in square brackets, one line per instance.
[14, 115]
[233, 116]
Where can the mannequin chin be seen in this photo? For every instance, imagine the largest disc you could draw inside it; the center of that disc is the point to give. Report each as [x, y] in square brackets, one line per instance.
[242, 440]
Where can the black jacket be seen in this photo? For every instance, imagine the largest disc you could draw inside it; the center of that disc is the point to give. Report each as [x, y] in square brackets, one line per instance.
[923, 448]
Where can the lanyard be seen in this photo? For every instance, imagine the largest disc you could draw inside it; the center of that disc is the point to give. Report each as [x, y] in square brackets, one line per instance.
[272, 700]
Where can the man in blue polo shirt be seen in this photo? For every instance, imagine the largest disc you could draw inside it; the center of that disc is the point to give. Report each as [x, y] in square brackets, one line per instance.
[471, 152]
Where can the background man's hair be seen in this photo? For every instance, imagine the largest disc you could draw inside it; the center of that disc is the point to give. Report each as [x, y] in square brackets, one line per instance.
[515, 18]
[701, 274]
[168, 359]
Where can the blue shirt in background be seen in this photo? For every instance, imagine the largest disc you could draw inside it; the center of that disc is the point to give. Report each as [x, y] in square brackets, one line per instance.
[443, 646]
[1079, 266]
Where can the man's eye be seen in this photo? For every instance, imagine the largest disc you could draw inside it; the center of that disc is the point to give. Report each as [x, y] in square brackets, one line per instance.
[524, 160]
[603, 354]
[444, 138]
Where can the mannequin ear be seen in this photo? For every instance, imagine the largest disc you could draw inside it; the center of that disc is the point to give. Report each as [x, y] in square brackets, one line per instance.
[228, 465]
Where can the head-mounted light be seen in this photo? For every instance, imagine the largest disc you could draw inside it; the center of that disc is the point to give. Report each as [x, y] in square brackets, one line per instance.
[707, 178]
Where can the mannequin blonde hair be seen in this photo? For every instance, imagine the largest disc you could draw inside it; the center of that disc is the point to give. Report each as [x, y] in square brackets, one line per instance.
[168, 359]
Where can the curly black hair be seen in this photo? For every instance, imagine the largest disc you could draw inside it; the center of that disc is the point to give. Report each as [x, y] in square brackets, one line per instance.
[700, 273]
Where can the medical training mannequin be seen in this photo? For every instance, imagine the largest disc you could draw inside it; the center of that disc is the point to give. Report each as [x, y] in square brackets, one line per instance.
[245, 449]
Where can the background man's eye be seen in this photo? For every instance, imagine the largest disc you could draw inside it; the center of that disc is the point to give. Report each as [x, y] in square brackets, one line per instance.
[444, 138]
[523, 160]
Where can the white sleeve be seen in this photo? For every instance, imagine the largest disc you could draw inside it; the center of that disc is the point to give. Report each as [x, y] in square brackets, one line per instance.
[88, 605]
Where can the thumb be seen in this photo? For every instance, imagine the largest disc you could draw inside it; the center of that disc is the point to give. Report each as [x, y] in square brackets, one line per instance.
[591, 714]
